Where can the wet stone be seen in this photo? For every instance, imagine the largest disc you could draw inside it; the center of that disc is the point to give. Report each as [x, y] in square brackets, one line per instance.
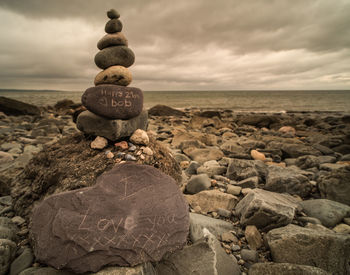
[113, 101]
[134, 214]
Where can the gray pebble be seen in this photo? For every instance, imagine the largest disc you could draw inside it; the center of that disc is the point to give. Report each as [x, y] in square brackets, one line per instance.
[224, 213]
[235, 248]
[249, 255]
[129, 157]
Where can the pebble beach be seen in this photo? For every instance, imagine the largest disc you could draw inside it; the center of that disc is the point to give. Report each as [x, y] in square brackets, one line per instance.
[272, 190]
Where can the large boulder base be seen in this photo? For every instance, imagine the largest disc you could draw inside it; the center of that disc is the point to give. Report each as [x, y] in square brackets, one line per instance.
[134, 214]
[112, 129]
[71, 164]
[113, 101]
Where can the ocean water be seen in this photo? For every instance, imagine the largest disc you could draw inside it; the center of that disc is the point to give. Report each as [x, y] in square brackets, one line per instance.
[257, 101]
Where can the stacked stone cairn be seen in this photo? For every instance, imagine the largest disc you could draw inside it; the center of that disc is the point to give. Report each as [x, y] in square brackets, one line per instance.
[114, 110]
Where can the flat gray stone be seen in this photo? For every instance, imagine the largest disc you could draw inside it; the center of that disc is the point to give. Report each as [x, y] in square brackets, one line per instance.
[198, 222]
[22, 262]
[289, 180]
[330, 213]
[206, 256]
[241, 169]
[45, 271]
[335, 185]
[211, 168]
[112, 129]
[266, 210]
[144, 269]
[8, 252]
[198, 183]
[285, 269]
[299, 245]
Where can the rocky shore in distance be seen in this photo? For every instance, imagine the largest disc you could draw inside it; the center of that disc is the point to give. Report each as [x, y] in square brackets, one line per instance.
[268, 193]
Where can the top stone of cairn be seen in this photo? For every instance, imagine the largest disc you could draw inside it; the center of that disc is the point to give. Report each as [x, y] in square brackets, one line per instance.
[113, 14]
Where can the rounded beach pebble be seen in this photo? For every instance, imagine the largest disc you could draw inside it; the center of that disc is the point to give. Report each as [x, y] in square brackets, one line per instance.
[112, 13]
[117, 75]
[115, 55]
[113, 25]
[112, 39]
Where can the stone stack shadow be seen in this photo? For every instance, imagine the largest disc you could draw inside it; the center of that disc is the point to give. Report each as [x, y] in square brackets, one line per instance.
[114, 110]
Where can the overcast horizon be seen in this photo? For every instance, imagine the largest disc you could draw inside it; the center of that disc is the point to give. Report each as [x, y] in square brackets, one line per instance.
[197, 45]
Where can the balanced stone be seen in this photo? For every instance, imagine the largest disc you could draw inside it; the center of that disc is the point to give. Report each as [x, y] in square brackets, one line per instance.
[112, 39]
[117, 75]
[113, 25]
[113, 101]
[134, 214]
[115, 55]
[112, 129]
[112, 13]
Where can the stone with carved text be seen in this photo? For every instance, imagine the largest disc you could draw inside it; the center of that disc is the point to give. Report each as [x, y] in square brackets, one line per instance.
[133, 214]
[113, 101]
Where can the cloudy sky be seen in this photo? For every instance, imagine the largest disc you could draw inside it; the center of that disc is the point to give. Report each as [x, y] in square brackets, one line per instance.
[180, 45]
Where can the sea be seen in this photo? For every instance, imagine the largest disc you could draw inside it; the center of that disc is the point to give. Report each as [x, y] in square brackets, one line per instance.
[240, 101]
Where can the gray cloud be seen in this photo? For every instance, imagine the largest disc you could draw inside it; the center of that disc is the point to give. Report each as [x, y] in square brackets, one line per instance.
[198, 44]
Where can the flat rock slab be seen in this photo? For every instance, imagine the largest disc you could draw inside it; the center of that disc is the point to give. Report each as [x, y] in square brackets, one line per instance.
[335, 185]
[134, 214]
[285, 269]
[299, 245]
[204, 257]
[241, 169]
[212, 200]
[112, 129]
[113, 101]
[215, 226]
[114, 55]
[287, 180]
[330, 213]
[202, 155]
[266, 210]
